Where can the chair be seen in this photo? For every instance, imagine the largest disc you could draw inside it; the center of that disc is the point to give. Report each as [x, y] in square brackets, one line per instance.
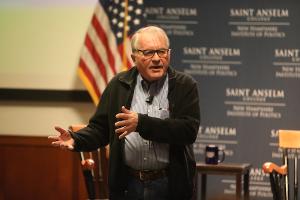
[289, 142]
[95, 169]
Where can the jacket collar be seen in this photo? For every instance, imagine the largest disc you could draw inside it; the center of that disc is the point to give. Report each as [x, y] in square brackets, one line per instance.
[129, 77]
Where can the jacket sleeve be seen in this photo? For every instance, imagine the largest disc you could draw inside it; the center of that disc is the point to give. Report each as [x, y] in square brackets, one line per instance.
[96, 134]
[183, 124]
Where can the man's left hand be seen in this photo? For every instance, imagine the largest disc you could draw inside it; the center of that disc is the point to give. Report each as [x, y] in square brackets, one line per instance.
[127, 124]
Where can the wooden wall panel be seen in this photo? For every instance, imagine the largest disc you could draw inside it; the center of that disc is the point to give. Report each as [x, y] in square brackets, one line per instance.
[30, 168]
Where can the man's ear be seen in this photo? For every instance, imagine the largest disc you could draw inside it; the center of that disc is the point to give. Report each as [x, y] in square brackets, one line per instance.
[133, 57]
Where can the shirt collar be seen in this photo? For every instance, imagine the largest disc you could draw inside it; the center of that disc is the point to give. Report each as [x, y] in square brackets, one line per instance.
[154, 86]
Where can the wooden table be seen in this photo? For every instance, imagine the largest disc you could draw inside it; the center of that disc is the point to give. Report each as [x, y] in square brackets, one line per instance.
[238, 170]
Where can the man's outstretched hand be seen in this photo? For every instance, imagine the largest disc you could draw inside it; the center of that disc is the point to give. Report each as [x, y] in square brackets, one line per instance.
[63, 140]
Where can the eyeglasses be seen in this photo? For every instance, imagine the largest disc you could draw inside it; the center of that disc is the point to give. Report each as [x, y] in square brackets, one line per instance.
[162, 53]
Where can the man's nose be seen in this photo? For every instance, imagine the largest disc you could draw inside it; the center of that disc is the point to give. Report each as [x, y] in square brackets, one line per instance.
[156, 57]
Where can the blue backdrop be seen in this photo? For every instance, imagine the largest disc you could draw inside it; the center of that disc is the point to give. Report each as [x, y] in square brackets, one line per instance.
[245, 56]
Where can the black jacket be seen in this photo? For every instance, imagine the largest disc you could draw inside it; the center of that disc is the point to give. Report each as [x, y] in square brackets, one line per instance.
[180, 130]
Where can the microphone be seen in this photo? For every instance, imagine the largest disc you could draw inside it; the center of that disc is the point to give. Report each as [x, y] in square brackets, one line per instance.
[150, 99]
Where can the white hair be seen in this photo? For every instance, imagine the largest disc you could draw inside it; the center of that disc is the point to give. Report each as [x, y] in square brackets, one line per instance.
[152, 29]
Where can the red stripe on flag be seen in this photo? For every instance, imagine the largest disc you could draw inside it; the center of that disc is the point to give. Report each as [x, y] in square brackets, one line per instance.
[102, 36]
[90, 77]
[90, 46]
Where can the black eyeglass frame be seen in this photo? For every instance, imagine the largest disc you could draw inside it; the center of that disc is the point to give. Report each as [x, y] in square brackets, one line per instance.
[149, 53]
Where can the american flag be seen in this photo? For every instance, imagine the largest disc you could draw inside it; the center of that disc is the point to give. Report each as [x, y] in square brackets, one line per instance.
[106, 50]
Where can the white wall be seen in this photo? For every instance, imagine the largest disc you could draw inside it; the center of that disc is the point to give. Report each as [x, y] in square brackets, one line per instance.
[40, 46]
[41, 42]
